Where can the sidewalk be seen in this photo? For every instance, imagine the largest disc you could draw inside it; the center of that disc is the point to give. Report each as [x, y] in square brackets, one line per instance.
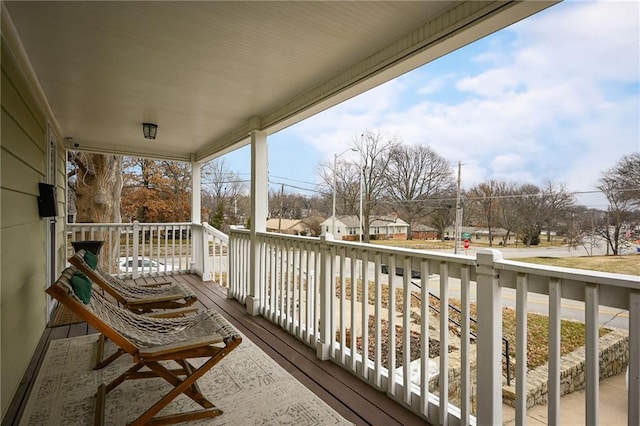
[613, 407]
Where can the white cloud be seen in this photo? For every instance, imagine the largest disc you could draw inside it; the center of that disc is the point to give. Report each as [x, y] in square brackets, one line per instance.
[507, 163]
[556, 98]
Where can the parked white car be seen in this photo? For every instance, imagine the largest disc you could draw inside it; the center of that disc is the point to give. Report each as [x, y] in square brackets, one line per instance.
[145, 264]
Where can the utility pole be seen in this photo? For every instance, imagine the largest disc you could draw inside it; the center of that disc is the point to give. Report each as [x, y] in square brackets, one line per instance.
[458, 229]
[281, 207]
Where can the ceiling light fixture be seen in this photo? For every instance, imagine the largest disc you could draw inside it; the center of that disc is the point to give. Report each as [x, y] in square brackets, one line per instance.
[149, 130]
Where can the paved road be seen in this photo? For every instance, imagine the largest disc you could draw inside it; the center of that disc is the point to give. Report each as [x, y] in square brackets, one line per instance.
[539, 303]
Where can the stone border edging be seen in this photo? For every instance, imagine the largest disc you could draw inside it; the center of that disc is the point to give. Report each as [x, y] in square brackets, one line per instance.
[614, 353]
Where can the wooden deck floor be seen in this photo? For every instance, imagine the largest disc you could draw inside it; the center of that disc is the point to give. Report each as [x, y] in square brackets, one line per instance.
[348, 395]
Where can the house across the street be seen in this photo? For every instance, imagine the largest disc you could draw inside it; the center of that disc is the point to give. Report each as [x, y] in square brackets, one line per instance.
[382, 228]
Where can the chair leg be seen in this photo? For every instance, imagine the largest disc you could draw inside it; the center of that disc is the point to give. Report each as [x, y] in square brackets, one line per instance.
[173, 379]
[183, 386]
[124, 376]
[100, 362]
[185, 417]
[98, 416]
[189, 369]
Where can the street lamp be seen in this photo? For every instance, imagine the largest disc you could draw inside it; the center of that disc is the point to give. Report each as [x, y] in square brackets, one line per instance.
[333, 212]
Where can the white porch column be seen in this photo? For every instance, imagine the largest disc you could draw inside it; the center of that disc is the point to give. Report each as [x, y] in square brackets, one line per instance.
[196, 193]
[198, 263]
[259, 211]
[489, 339]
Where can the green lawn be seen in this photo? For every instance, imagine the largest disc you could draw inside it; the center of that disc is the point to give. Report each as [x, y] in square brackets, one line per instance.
[628, 264]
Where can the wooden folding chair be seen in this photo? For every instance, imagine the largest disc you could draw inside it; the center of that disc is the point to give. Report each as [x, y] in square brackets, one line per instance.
[136, 298]
[152, 340]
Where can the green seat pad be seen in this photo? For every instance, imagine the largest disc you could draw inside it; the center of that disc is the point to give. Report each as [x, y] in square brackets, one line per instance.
[91, 259]
[81, 287]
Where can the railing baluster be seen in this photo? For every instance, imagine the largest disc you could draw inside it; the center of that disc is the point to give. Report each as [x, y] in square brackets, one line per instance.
[633, 402]
[281, 288]
[465, 346]
[333, 305]
[262, 288]
[444, 343]
[136, 250]
[290, 275]
[406, 331]
[166, 248]
[554, 352]
[377, 362]
[343, 308]
[316, 297]
[308, 293]
[365, 315]
[300, 286]
[295, 274]
[354, 291]
[592, 367]
[391, 342]
[273, 297]
[425, 337]
[324, 350]
[170, 246]
[522, 312]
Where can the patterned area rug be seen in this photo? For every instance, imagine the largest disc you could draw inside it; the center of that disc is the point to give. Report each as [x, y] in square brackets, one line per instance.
[249, 387]
[63, 316]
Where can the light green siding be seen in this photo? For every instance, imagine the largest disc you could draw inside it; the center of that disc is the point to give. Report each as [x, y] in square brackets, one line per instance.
[23, 234]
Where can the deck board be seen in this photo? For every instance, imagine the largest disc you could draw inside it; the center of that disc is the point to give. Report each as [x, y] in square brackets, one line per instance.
[354, 399]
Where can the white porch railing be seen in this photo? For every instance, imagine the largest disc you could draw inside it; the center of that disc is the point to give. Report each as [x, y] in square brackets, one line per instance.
[147, 249]
[307, 286]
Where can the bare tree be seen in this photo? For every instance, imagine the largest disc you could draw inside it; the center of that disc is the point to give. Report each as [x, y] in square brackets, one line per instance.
[223, 191]
[617, 185]
[557, 205]
[374, 148]
[508, 215]
[442, 218]
[347, 185]
[627, 176]
[483, 200]
[415, 174]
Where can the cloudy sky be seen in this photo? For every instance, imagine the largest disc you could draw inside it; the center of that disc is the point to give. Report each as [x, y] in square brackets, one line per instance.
[555, 97]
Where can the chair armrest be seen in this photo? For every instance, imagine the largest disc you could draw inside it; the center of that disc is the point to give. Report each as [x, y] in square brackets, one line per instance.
[180, 346]
[160, 284]
[147, 300]
[171, 313]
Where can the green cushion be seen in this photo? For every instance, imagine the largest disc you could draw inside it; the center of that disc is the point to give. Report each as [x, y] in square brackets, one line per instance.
[81, 287]
[91, 259]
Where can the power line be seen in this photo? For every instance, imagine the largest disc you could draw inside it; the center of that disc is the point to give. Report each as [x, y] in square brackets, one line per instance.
[294, 180]
[297, 187]
[504, 196]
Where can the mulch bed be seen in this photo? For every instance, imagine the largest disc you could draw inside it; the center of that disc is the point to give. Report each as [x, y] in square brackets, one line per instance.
[415, 343]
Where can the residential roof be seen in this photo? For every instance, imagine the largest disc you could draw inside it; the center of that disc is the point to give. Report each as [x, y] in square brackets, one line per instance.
[286, 224]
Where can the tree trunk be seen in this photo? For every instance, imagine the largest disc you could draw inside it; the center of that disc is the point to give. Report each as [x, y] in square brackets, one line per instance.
[98, 191]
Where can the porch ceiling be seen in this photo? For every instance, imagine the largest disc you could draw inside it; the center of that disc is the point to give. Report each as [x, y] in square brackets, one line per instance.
[210, 72]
